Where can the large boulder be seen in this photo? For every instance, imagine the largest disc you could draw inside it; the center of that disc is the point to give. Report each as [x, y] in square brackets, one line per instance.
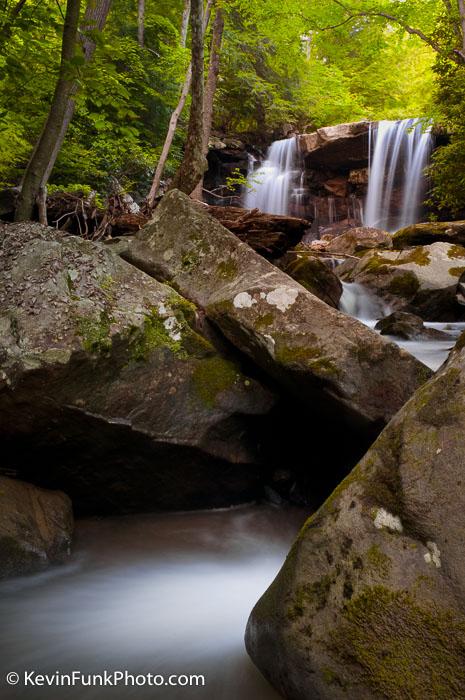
[36, 527]
[318, 353]
[358, 239]
[432, 232]
[424, 277]
[107, 387]
[313, 274]
[370, 602]
[340, 146]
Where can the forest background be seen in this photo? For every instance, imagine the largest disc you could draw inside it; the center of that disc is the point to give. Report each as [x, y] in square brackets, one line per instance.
[275, 65]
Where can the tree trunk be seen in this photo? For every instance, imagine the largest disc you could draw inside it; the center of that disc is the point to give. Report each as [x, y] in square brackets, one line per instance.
[40, 158]
[210, 89]
[185, 22]
[174, 121]
[140, 21]
[94, 19]
[462, 24]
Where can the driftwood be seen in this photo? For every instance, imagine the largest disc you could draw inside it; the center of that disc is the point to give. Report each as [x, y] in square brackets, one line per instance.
[270, 235]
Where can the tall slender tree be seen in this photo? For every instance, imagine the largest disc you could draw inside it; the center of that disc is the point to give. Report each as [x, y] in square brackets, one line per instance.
[62, 108]
[210, 89]
[179, 107]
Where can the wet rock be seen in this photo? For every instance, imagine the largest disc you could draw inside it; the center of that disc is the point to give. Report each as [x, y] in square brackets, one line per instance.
[309, 348]
[370, 601]
[408, 326]
[427, 233]
[343, 145]
[107, 380]
[313, 274]
[424, 277]
[36, 527]
[358, 239]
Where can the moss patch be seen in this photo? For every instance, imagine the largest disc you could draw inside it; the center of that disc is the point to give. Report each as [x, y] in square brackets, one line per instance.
[378, 562]
[212, 377]
[314, 594]
[456, 271]
[405, 285]
[400, 649]
[227, 269]
[95, 333]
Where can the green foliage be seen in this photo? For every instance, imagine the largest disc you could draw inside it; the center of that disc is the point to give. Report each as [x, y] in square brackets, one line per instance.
[293, 64]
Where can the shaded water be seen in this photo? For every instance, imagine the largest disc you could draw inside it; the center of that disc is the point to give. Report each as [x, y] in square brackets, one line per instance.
[164, 594]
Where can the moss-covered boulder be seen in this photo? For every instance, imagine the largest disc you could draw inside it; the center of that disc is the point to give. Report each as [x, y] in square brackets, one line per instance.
[108, 389]
[370, 602]
[425, 278]
[314, 275]
[36, 527]
[358, 239]
[431, 232]
[309, 348]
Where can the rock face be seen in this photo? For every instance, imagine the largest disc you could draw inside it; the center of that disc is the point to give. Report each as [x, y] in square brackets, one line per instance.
[107, 381]
[424, 277]
[408, 326]
[370, 602]
[361, 238]
[314, 275]
[315, 351]
[424, 234]
[345, 144]
[35, 527]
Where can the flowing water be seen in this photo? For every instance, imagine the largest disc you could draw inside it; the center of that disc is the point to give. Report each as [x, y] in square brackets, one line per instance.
[359, 302]
[167, 594]
[399, 153]
[276, 184]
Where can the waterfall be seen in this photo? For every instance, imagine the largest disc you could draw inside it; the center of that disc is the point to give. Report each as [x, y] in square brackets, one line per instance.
[270, 187]
[398, 152]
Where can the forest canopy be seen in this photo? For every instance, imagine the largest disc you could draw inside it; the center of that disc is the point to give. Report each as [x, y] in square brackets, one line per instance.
[280, 63]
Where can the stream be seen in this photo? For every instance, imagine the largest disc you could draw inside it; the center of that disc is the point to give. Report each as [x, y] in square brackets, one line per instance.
[165, 593]
[357, 301]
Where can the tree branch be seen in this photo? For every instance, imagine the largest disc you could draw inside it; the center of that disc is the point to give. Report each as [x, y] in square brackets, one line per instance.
[457, 55]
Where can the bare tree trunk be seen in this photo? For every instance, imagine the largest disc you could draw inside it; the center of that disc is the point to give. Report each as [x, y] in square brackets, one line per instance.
[140, 21]
[40, 158]
[185, 22]
[94, 19]
[462, 24]
[174, 121]
[210, 89]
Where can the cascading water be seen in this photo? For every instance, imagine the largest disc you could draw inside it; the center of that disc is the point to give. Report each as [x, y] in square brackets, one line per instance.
[276, 181]
[399, 153]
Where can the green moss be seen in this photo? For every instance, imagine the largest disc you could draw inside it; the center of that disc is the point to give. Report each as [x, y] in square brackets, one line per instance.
[212, 377]
[456, 271]
[95, 333]
[405, 285]
[437, 401]
[151, 335]
[189, 260]
[314, 595]
[399, 648]
[379, 562]
[264, 321]
[306, 355]
[330, 677]
[456, 251]
[227, 269]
